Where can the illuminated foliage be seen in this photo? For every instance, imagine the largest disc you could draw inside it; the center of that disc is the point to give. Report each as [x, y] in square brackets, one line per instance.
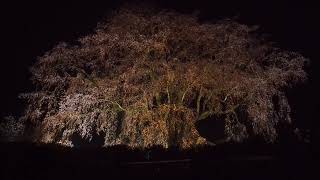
[145, 78]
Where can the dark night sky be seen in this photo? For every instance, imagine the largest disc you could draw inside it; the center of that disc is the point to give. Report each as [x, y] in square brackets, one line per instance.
[30, 29]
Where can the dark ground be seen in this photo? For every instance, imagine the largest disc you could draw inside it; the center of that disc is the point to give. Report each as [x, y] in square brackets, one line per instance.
[29, 29]
[26, 161]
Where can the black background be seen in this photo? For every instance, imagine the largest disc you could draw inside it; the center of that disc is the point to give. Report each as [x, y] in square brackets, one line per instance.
[29, 29]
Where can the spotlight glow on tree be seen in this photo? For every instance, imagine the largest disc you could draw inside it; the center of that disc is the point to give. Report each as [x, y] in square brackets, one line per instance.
[145, 78]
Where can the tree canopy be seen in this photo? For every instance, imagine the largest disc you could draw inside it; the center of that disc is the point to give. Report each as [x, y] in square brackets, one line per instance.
[145, 78]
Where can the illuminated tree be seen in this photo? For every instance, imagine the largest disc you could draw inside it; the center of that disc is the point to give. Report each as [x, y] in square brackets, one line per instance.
[145, 78]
